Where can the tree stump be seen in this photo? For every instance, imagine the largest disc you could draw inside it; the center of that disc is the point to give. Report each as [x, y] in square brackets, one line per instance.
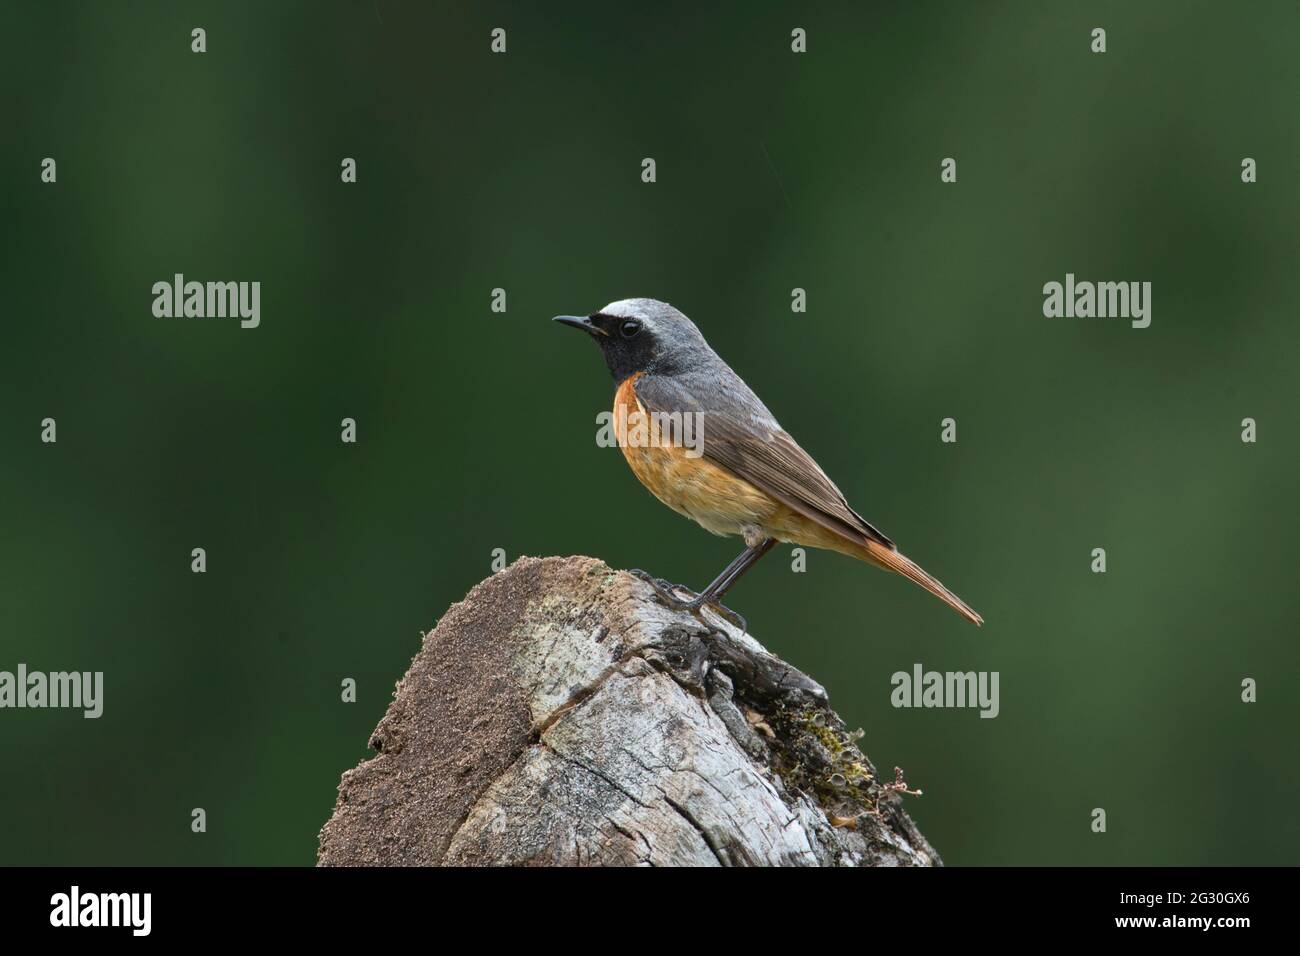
[561, 715]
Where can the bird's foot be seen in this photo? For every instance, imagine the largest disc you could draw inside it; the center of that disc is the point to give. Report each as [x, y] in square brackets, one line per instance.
[666, 590]
[734, 618]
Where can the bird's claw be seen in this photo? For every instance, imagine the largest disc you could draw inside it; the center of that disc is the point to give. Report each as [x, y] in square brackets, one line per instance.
[667, 592]
[734, 618]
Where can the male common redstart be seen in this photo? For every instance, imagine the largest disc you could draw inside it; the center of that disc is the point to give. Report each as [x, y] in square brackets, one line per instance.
[752, 479]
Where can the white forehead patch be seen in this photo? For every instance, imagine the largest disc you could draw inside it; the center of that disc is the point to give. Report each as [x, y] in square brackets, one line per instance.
[626, 309]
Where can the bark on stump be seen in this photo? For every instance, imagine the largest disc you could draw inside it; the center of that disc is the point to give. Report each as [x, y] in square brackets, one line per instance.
[562, 715]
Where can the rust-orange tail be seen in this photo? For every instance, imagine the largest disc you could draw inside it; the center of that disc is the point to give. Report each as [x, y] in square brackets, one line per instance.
[893, 560]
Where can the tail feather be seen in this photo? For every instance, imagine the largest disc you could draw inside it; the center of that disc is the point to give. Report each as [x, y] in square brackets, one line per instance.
[893, 560]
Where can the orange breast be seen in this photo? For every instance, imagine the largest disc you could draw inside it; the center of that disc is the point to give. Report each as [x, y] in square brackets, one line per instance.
[690, 485]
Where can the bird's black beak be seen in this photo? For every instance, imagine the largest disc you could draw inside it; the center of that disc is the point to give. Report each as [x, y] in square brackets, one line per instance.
[581, 322]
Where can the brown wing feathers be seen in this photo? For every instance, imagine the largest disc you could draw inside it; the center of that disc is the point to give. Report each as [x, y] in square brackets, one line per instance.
[785, 471]
[770, 460]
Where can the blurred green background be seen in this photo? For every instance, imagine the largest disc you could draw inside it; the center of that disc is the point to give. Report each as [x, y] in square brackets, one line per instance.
[476, 430]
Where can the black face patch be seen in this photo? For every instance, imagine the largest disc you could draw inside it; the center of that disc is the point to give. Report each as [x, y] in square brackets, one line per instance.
[625, 355]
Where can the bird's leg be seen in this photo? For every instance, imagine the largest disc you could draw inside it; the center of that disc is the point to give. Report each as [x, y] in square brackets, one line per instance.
[668, 591]
[710, 596]
[736, 569]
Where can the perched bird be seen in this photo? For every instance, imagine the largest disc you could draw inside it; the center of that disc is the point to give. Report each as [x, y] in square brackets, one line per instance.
[745, 476]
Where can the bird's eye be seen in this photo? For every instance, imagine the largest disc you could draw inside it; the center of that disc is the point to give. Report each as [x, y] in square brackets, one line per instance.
[629, 328]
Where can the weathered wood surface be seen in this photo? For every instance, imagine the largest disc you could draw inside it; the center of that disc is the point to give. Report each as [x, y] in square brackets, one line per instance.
[561, 715]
